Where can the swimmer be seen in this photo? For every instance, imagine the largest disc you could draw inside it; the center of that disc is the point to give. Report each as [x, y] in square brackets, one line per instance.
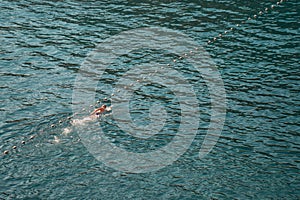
[99, 111]
[94, 115]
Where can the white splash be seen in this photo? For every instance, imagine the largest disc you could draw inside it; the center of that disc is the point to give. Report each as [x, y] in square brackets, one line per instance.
[56, 139]
[67, 130]
[109, 108]
[80, 122]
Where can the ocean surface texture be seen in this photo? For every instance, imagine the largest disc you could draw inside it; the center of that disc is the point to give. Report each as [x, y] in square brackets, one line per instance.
[47, 149]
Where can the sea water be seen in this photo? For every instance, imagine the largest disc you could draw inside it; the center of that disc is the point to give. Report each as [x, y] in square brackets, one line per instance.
[43, 46]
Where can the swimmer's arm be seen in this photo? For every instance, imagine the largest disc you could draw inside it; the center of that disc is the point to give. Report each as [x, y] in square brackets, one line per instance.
[95, 111]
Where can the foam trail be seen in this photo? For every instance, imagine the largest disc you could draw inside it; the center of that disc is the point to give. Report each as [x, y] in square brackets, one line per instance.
[67, 130]
[79, 122]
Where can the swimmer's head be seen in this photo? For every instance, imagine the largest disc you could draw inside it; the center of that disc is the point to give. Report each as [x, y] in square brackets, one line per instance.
[103, 106]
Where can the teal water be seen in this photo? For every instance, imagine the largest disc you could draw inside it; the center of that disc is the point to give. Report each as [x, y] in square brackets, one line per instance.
[43, 44]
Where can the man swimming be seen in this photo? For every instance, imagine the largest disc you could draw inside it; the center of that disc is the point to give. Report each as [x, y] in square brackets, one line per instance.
[99, 111]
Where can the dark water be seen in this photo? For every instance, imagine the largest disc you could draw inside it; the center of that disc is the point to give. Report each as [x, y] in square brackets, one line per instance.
[43, 44]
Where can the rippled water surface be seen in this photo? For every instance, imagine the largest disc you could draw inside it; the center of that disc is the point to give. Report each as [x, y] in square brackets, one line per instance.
[43, 46]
